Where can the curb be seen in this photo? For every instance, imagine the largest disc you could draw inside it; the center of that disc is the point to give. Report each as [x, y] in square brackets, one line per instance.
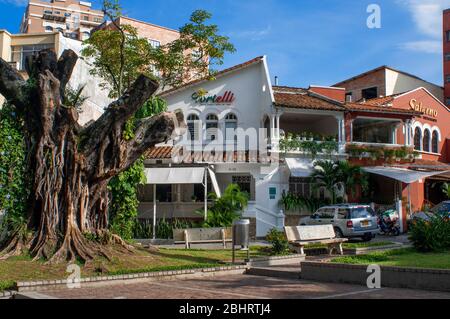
[129, 279]
[392, 277]
[277, 261]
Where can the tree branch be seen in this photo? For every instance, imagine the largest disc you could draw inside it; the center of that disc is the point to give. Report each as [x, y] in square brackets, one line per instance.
[118, 113]
[64, 70]
[12, 85]
[155, 130]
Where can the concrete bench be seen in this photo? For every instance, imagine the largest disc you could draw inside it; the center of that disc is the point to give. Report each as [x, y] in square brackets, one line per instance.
[202, 236]
[301, 236]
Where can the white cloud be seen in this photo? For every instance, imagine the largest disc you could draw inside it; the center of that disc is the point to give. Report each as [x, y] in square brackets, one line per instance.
[427, 18]
[434, 47]
[427, 15]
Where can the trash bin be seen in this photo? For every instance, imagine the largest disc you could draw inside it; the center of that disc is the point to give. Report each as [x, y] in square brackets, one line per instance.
[241, 237]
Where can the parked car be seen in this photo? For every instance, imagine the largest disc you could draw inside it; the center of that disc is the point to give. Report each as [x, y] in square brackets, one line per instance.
[348, 220]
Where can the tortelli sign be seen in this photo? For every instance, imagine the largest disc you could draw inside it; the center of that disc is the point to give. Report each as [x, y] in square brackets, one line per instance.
[418, 106]
[202, 97]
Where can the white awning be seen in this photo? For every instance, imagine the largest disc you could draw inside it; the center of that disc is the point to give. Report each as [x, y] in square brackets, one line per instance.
[406, 176]
[184, 175]
[300, 167]
[214, 182]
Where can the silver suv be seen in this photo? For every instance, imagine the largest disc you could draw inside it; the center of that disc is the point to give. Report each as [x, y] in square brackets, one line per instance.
[349, 220]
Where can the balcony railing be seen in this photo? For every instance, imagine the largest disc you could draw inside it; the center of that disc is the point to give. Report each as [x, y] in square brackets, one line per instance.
[54, 17]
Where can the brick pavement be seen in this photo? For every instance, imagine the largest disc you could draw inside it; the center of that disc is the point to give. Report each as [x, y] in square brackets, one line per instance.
[241, 287]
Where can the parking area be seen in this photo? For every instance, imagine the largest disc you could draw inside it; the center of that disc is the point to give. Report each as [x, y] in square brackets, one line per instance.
[241, 287]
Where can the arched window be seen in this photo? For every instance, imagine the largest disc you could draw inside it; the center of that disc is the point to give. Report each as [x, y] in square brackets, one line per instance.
[427, 141]
[435, 142]
[192, 122]
[48, 29]
[267, 126]
[212, 125]
[418, 139]
[230, 127]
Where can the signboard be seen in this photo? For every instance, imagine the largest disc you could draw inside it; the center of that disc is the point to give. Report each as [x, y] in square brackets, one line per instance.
[202, 97]
[273, 193]
[418, 106]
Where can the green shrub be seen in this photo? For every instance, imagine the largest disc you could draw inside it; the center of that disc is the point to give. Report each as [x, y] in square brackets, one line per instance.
[432, 235]
[280, 245]
[14, 180]
[227, 208]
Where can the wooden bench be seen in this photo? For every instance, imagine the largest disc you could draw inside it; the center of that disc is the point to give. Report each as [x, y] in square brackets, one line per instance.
[202, 236]
[302, 236]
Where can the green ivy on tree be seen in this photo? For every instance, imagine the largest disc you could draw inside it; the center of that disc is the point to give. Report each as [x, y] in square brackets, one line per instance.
[14, 188]
[124, 187]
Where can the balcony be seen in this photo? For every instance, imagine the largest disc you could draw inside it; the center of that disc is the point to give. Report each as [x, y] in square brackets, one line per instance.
[54, 17]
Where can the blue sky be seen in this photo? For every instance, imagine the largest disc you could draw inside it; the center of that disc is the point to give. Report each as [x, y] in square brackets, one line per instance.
[306, 41]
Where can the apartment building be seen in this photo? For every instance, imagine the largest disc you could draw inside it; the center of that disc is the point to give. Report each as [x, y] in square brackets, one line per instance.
[446, 59]
[15, 48]
[385, 81]
[74, 19]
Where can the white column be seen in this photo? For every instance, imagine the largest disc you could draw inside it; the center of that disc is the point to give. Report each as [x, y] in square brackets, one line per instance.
[154, 211]
[206, 194]
[278, 126]
[272, 127]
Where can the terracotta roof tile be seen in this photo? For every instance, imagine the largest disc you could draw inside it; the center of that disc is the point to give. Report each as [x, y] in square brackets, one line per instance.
[377, 109]
[159, 152]
[299, 98]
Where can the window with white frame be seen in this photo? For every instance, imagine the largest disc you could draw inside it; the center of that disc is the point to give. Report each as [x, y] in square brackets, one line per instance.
[154, 43]
[231, 122]
[427, 141]
[435, 142]
[418, 139]
[21, 53]
[212, 126]
[192, 124]
[300, 186]
[245, 184]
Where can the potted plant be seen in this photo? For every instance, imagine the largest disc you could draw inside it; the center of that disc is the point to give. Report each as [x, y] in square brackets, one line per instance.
[304, 136]
[194, 198]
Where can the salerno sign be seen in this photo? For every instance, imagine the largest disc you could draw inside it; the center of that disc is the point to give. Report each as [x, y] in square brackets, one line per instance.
[418, 106]
[202, 97]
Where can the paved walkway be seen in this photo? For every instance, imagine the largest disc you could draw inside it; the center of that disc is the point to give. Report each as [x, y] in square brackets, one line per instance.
[242, 287]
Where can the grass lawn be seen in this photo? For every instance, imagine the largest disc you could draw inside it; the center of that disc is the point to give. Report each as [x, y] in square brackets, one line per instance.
[24, 269]
[400, 258]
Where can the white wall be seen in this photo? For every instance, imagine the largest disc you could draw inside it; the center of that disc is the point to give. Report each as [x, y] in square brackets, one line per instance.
[98, 99]
[251, 91]
[400, 83]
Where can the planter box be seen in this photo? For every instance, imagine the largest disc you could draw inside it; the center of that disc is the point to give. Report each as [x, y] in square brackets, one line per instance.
[393, 277]
[367, 250]
[277, 261]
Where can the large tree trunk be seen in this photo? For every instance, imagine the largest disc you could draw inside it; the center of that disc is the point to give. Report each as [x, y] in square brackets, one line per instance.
[72, 165]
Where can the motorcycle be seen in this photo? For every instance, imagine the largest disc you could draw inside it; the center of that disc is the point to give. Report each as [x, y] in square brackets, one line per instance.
[388, 223]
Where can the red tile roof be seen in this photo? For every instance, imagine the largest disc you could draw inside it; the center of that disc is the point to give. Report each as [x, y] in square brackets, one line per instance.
[160, 152]
[361, 107]
[165, 152]
[298, 98]
[218, 74]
